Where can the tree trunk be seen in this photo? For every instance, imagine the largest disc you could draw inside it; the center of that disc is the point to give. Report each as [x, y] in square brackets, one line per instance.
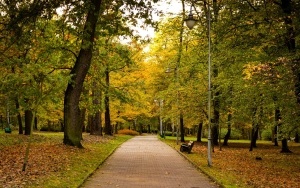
[275, 135]
[72, 128]
[107, 126]
[28, 121]
[216, 118]
[227, 136]
[199, 132]
[254, 127]
[89, 127]
[116, 128]
[82, 119]
[277, 118]
[181, 128]
[96, 123]
[19, 117]
[297, 138]
[254, 137]
[285, 148]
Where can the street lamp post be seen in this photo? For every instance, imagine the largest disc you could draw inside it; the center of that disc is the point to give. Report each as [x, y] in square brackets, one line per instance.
[190, 22]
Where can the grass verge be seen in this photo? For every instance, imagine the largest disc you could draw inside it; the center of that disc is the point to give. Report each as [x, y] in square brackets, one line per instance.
[51, 163]
[236, 167]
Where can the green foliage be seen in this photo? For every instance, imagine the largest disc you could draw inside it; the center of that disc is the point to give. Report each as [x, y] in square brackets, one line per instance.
[169, 133]
[266, 134]
[235, 134]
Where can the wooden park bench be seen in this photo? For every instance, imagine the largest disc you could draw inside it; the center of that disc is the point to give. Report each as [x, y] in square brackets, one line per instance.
[187, 147]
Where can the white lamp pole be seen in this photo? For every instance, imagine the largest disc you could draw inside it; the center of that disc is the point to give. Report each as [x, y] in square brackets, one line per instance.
[190, 22]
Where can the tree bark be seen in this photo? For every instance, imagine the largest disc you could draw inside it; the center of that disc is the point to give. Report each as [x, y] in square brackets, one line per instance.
[107, 126]
[199, 132]
[297, 137]
[285, 148]
[254, 128]
[97, 129]
[28, 121]
[216, 112]
[181, 128]
[275, 135]
[227, 136]
[254, 138]
[72, 128]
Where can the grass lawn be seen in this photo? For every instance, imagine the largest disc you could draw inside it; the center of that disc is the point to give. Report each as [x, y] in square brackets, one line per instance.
[234, 166]
[51, 163]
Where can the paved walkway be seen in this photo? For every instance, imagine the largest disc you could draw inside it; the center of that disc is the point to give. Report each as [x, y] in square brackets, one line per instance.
[145, 161]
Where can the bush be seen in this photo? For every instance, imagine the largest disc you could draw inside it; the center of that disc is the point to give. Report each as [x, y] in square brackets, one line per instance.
[235, 134]
[266, 134]
[169, 133]
[128, 132]
[51, 128]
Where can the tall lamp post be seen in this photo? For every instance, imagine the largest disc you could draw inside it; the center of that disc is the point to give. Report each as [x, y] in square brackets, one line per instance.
[190, 22]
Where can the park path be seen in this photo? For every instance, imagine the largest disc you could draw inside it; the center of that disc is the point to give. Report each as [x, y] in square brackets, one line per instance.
[146, 162]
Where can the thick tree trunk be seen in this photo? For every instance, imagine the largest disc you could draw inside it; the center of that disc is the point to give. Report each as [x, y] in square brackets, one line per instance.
[28, 121]
[19, 117]
[199, 132]
[254, 137]
[285, 148]
[181, 128]
[227, 136]
[97, 129]
[72, 128]
[297, 138]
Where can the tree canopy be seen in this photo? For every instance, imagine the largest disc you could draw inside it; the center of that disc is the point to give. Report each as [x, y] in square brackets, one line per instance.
[63, 58]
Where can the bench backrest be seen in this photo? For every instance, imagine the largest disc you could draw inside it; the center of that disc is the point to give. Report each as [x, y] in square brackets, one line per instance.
[191, 143]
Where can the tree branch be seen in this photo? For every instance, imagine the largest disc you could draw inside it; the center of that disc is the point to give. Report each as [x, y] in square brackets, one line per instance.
[249, 3]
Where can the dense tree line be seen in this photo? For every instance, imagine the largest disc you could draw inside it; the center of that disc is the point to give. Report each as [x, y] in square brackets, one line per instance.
[63, 62]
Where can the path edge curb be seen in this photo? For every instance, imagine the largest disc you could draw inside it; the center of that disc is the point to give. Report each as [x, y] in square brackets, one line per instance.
[100, 164]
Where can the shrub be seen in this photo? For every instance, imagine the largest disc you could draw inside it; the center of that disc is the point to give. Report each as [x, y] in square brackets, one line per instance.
[51, 128]
[266, 134]
[169, 133]
[235, 134]
[128, 132]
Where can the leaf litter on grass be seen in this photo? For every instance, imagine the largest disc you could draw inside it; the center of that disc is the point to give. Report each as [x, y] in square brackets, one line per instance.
[47, 156]
[274, 170]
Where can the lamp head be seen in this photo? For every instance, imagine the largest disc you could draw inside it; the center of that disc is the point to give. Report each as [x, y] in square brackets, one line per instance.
[190, 21]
